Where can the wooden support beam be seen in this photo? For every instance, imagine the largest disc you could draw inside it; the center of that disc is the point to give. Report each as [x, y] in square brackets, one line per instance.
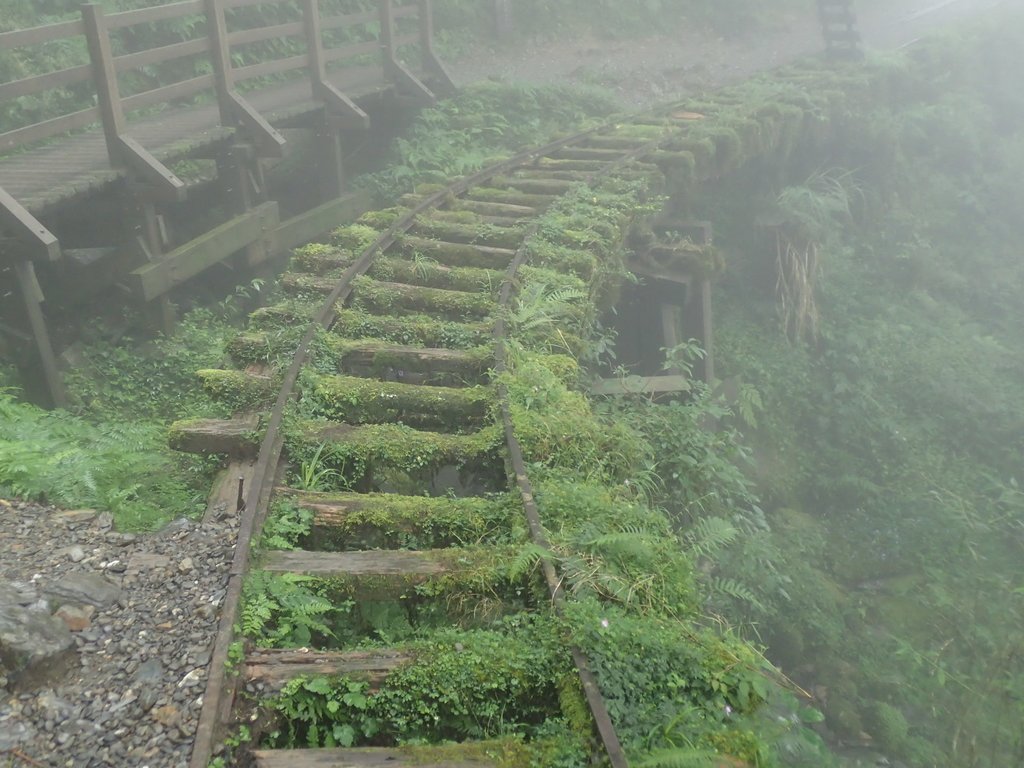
[196, 256]
[32, 296]
[39, 243]
[267, 138]
[150, 171]
[313, 223]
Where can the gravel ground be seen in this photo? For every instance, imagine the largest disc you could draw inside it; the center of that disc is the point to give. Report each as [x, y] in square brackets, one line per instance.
[134, 697]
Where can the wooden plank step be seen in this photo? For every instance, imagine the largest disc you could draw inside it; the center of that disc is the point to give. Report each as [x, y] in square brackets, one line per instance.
[352, 521]
[369, 757]
[273, 668]
[623, 143]
[382, 562]
[495, 237]
[236, 437]
[495, 209]
[468, 217]
[571, 176]
[457, 254]
[557, 164]
[533, 186]
[415, 330]
[434, 366]
[431, 274]
[589, 153]
[397, 298]
[510, 196]
[362, 454]
[356, 400]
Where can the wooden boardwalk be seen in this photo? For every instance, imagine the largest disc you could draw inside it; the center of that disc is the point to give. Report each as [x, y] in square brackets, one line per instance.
[235, 83]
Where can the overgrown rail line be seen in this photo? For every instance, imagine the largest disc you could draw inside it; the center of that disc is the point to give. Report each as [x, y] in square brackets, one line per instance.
[503, 203]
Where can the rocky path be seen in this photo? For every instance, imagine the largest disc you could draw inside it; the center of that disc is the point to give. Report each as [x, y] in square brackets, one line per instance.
[115, 677]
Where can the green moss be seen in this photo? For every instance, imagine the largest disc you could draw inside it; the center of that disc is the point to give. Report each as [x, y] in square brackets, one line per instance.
[888, 726]
[354, 237]
[394, 521]
[400, 298]
[356, 453]
[411, 329]
[237, 389]
[365, 401]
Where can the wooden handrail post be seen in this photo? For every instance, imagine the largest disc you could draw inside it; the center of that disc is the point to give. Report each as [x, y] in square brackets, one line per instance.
[387, 36]
[431, 62]
[220, 58]
[105, 75]
[314, 42]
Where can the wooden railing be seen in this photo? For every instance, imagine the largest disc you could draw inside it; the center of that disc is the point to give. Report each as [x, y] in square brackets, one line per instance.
[311, 43]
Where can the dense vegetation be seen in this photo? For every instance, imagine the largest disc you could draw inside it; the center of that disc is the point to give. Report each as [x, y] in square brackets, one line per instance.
[888, 453]
[857, 506]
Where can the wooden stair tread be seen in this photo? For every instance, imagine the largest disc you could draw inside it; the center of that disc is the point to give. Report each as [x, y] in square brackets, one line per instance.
[368, 757]
[385, 562]
[275, 667]
[235, 437]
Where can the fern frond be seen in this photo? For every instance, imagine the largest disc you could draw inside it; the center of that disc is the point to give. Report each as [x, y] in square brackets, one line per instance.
[709, 536]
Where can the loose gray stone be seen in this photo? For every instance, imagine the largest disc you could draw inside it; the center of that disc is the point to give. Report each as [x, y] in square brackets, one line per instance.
[17, 593]
[76, 554]
[84, 589]
[35, 648]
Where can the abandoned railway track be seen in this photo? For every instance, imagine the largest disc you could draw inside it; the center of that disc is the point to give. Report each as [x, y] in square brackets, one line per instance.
[418, 322]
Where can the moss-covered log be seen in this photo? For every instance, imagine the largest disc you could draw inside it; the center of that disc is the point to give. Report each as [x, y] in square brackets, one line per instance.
[234, 437]
[495, 209]
[476, 233]
[457, 254]
[372, 521]
[367, 401]
[240, 390]
[511, 196]
[402, 298]
[437, 366]
[532, 185]
[431, 274]
[411, 329]
[366, 456]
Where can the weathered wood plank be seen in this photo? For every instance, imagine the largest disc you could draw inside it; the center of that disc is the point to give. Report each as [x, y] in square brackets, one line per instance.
[274, 668]
[312, 223]
[376, 563]
[236, 437]
[198, 255]
[366, 758]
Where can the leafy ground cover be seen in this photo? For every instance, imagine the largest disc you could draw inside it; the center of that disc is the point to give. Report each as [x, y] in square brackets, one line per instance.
[888, 452]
